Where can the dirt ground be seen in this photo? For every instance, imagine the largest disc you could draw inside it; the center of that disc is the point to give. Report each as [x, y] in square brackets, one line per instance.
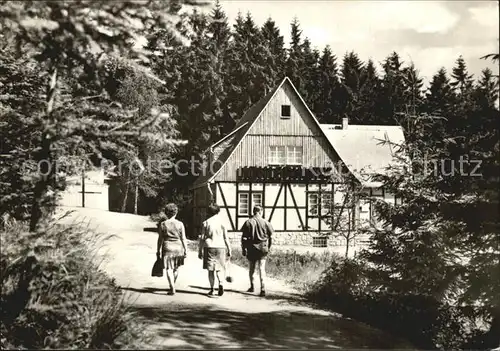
[192, 320]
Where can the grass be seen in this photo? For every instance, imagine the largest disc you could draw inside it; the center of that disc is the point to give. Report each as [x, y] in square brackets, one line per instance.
[55, 296]
[300, 270]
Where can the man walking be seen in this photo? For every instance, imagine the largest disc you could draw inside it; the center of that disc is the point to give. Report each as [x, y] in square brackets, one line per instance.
[255, 244]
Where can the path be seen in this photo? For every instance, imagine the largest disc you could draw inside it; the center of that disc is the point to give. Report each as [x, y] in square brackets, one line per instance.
[192, 320]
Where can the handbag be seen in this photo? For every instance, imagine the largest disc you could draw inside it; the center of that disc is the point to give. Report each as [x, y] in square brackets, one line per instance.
[229, 278]
[157, 270]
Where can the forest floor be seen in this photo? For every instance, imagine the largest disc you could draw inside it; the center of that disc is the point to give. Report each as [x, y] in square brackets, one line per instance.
[192, 320]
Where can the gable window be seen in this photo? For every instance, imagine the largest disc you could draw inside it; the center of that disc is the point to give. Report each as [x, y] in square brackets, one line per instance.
[285, 111]
[277, 155]
[294, 155]
[247, 200]
[285, 155]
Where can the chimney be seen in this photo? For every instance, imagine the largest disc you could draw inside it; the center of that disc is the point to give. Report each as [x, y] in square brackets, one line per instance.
[345, 122]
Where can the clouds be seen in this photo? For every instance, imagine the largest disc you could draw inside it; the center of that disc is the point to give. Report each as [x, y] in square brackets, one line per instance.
[486, 15]
[420, 16]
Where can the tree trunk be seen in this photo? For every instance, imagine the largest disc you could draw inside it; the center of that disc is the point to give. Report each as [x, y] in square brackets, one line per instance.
[347, 245]
[44, 157]
[136, 196]
[83, 187]
[125, 198]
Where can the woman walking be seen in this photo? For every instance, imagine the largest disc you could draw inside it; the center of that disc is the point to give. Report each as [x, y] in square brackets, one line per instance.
[172, 243]
[214, 248]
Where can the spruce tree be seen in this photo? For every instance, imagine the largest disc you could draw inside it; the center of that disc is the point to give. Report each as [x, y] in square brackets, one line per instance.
[393, 88]
[487, 89]
[370, 94]
[250, 76]
[276, 55]
[326, 107]
[72, 47]
[310, 73]
[440, 95]
[295, 60]
[351, 79]
[462, 81]
[413, 90]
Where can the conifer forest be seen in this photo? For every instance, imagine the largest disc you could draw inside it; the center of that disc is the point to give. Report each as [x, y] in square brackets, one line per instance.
[76, 89]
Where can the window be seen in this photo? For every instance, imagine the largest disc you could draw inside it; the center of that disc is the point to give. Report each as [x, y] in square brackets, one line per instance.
[277, 155]
[377, 192]
[243, 203]
[314, 204]
[285, 111]
[256, 199]
[320, 241]
[282, 155]
[326, 204]
[294, 155]
[398, 201]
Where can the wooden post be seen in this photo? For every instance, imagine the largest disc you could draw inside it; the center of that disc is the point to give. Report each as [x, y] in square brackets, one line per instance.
[83, 187]
[136, 196]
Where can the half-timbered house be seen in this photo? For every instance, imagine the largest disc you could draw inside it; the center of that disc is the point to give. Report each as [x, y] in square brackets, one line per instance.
[280, 157]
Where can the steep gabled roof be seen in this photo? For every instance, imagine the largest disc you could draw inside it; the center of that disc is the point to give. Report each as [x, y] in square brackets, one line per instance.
[359, 147]
[223, 148]
[366, 150]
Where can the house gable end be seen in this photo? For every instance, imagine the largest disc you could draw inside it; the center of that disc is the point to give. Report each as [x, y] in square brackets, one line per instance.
[269, 128]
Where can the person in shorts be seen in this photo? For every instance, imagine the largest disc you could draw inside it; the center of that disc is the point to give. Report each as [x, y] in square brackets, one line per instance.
[256, 241]
[214, 248]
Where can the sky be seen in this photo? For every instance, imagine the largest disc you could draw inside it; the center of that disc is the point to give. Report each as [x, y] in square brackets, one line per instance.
[431, 34]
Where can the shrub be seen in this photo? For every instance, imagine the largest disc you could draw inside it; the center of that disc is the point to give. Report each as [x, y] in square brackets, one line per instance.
[423, 320]
[55, 296]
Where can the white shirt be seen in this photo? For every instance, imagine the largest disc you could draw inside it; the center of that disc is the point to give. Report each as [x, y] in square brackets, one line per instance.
[213, 232]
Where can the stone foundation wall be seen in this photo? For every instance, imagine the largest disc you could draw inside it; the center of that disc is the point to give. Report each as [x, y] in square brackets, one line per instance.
[299, 239]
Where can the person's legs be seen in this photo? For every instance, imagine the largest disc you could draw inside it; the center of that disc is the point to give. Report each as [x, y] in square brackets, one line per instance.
[220, 278]
[171, 281]
[176, 274]
[251, 272]
[211, 279]
[262, 275]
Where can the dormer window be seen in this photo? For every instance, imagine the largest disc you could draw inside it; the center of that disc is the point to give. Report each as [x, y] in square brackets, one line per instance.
[285, 111]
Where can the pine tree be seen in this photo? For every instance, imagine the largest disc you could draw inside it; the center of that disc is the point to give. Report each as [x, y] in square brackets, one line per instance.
[461, 80]
[276, 56]
[440, 95]
[295, 60]
[413, 89]
[351, 79]
[487, 89]
[250, 76]
[392, 101]
[64, 48]
[370, 93]
[310, 72]
[326, 106]
[219, 29]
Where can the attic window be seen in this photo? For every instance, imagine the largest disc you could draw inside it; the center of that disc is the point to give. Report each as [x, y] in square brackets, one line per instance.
[285, 111]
